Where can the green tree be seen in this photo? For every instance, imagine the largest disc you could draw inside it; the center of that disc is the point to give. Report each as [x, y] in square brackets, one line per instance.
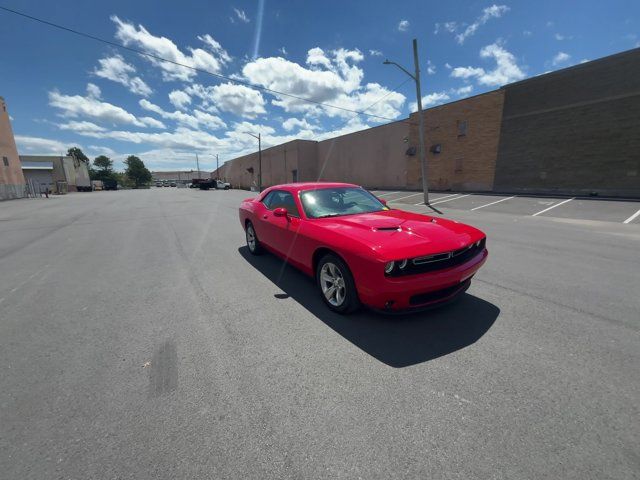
[136, 171]
[77, 153]
[104, 168]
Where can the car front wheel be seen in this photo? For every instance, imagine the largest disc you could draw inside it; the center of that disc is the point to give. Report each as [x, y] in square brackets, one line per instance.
[253, 244]
[336, 284]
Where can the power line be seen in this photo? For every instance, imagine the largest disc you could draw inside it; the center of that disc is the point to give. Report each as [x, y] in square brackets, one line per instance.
[198, 70]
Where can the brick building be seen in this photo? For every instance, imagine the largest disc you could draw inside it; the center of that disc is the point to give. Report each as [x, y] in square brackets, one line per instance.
[573, 131]
[12, 183]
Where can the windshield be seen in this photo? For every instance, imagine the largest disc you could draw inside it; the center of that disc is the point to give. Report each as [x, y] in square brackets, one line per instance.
[333, 202]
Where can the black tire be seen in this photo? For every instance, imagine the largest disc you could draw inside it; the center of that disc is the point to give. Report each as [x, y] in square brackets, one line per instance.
[350, 302]
[254, 247]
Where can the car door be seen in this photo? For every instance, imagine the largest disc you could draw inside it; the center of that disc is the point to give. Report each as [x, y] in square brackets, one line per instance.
[280, 232]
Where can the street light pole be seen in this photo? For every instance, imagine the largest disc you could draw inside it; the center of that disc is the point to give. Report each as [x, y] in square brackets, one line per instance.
[198, 165]
[217, 168]
[421, 150]
[259, 159]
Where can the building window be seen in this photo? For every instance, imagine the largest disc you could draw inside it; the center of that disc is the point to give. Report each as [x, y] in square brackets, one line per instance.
[5, 160]
[462, 128]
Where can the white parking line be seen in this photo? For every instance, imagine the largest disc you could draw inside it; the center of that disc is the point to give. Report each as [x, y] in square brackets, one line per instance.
[383, 194]
[408, 196]
[449, 199]
[446, 196]
[552, 207]
[493, 203]
[630, 219]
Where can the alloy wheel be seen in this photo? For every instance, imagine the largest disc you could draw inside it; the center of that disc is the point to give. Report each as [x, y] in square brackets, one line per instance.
[333, 284]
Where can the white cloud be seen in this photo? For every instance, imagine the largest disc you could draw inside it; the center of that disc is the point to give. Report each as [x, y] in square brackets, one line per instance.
[431, 68]
[467, 72]
[560, 37]
[212, 60]
[506, 71]
[114, 68]
[559, 58]
[179, 99]
[430, 100]
[331, 77]
[42, 146]
[196, 120]
[152, 122]
[92, 107]
[527, 33]
[375, 53]
[450, 27]
[241, 15]
[83, 126]
[230, 97]
[93, 91]
[466, 90]
[283, 51]
[403, 26]
[494, 11]
[292, 123]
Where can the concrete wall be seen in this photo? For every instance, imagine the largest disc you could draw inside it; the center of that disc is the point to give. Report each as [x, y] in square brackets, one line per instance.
[65, 169]
[466, 162]
[12, 183]
[374, 158]
[278, 164]
[181, 175]
[574, 131]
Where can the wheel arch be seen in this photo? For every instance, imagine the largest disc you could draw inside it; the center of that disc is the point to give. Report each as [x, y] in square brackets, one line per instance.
[321, 252]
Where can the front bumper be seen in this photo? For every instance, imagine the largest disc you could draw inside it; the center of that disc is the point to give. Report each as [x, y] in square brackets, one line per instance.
[417, 292]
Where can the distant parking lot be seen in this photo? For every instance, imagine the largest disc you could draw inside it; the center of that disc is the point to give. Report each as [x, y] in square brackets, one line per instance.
[605, 210]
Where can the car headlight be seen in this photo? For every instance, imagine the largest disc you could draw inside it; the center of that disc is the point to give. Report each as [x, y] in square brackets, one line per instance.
[388, 268]
[402, 264]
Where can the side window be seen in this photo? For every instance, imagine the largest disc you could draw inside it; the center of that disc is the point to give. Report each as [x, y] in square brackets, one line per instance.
[267, 200]
[282, 199]
[5, 160]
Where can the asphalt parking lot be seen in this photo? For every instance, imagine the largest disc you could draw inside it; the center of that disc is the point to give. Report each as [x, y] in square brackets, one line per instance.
[606, 210]
[139, 339]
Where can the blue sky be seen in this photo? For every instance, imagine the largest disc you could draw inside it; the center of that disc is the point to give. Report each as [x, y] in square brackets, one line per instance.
[63, 90]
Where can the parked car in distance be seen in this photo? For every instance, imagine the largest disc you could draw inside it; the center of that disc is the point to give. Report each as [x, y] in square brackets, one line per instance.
[359, 250]
[222, 185]
[97, 185]
[172, 184]
[158, 183]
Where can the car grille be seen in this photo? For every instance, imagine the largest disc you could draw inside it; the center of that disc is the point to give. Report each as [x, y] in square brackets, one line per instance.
[440, 261]
[430, 297]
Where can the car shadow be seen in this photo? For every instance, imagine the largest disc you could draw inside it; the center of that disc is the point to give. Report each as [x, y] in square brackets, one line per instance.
[398, 341]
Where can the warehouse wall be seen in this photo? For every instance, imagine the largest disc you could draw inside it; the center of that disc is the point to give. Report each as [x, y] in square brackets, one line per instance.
[574, 131]
[12, 183]
[466, 161]
[374, 158]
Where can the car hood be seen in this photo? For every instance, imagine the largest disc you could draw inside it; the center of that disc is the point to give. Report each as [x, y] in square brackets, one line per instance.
[397, 234]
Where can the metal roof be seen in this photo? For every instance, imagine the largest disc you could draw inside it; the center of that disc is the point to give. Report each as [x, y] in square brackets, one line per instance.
[37, 165]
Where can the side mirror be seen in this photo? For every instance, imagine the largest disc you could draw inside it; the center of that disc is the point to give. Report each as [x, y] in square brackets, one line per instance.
[280, 212]
[383, 201]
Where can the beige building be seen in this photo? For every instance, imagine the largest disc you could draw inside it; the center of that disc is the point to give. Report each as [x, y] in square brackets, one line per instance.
[461, 140]
[12, 183]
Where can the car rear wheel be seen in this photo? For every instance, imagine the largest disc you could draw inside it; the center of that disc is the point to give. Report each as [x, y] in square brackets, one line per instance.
[336, 284]
[253, 244]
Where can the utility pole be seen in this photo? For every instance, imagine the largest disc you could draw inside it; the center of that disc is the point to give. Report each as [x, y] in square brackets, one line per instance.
[259, 159]
[217, 168]
[198, 165]
[421, 150]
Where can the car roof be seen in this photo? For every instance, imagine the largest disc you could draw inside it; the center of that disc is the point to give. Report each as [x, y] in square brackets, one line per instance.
[297, 187]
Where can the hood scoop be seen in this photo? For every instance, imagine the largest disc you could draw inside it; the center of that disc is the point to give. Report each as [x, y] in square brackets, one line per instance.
[388, 229]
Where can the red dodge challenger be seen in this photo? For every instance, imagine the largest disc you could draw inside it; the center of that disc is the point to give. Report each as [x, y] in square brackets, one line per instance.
[361, 251]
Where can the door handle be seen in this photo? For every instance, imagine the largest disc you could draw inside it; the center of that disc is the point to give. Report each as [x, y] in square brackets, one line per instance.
[265, 216]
